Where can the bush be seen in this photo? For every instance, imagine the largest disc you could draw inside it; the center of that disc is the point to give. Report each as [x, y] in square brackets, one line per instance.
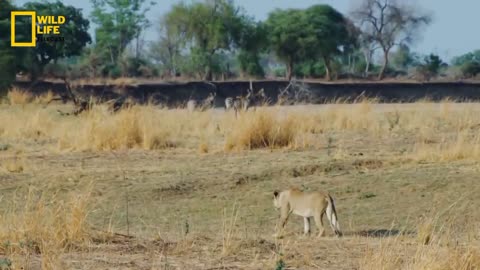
[55, 70]
[262, 129]
[279, 72]
[250, 64]
[470, 69]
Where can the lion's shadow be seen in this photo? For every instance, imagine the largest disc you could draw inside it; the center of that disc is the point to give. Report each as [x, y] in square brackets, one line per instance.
[380, 233]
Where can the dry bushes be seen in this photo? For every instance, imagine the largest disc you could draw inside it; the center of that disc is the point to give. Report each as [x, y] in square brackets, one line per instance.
[437, 244]
[442, 132]
[262, 129]
[16, 96]
[45, 225]
[130, 128]
[462, 146]
[398, 254]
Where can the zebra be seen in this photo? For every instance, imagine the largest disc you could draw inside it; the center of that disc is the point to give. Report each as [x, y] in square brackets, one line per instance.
[209, 102]
[203, 105]
[191, 105]
[253, 100]
[245, 102]
[229, 102]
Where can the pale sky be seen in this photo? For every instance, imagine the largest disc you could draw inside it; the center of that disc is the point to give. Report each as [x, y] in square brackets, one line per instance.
[453, 30]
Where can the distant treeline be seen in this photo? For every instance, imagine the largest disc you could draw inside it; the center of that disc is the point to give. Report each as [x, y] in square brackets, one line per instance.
[217, 39]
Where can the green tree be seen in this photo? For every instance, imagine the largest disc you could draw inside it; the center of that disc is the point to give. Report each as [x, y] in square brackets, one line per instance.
[208, 27]
[403, 58]
[167, 51]
[251, 42]
[431, 66]
[466, 58]
[119, 23]
[8, 62]
[74, 31]
[470, 69]
[290, 37]
[328, 30]
[319, 32]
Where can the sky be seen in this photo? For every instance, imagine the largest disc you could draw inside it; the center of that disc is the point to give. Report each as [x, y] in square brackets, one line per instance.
[453, 31]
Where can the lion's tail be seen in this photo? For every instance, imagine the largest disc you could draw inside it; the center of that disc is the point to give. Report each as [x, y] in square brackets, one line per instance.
[332, 216]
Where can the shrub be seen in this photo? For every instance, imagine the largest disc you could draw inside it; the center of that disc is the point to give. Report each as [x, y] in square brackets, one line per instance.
[470, 69]
[262, 129]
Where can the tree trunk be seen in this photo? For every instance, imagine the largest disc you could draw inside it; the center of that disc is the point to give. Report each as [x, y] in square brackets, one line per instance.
[208, 74]
[367, 55]
[328, 69]
[289, 70]
[385, 65]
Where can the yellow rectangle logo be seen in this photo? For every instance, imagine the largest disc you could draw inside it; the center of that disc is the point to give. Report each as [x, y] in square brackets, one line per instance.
[32, 14]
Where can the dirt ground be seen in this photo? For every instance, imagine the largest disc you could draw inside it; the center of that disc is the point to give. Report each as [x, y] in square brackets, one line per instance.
[178, 208]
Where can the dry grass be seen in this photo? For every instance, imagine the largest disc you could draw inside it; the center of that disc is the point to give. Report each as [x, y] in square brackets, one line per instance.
[121, 81]
[442, 132]
[15, 165]
[45, 225]
[383, 164]
[16, 96]
[262, 129]
[437, 244]
[131, 128]
[393, 254]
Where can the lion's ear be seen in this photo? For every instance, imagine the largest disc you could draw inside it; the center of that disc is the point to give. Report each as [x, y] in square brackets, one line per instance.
[275, 193]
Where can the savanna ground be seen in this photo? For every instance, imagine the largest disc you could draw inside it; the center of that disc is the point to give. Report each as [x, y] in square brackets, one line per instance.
[151, 188]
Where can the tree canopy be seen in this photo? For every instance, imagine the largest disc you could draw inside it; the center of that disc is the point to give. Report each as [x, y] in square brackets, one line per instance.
[319, 32]
[388, 23]
[74, 31]
[213, 39]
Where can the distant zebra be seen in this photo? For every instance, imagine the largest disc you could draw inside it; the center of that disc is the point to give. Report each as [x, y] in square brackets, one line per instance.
[244, 103]
[229, 102]
[191, 105]
[252, 100]
[202, 105]
[237, 103]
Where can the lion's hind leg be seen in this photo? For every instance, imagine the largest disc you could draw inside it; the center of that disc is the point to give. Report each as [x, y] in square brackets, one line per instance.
[319, 222]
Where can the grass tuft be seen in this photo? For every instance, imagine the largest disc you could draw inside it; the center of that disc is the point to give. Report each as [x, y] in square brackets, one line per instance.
[261, 129]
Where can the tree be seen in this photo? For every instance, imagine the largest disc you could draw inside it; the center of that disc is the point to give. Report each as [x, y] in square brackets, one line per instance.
[466, 58]
[119, 23]
[431, 66]
[329, 32]
[469, 63]
[388, 23]
[319, 32]
[403, 58]
[8, 60]
[74, 31]
[167, 50]
[251, 41]
[209, 27]
[290, 37]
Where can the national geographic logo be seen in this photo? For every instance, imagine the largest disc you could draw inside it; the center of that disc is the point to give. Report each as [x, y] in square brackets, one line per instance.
[47, 27]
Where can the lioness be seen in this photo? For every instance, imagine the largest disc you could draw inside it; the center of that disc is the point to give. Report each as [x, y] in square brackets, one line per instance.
[307, 205]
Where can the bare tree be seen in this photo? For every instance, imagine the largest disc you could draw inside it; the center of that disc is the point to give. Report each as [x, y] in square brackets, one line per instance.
[368, 47]
[388, 23]
[167, 49]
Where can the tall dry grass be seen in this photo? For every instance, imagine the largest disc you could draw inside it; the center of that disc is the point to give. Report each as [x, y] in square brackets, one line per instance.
[143, 127]
[262, 129]
[44, 225]
[131, 128]
[442, 131]
[443, 242]
[399, 253]
[17, 96]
